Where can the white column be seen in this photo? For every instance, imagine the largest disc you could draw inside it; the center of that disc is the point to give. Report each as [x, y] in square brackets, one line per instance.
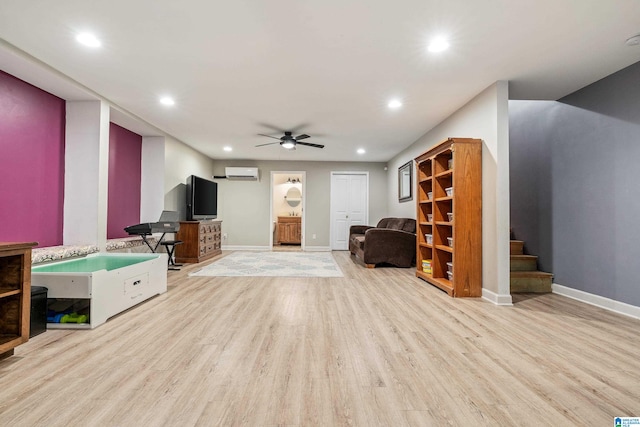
[152, 178]
[502, 194]
[86, 173]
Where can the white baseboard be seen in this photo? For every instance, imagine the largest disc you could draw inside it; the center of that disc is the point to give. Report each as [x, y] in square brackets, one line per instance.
[597, 300]
[268, 248]
[496, 299]
[245, 248]
[317, 249]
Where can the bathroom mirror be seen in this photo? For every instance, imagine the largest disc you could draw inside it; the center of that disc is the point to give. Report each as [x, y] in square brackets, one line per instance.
[294, 197]
[405, 173]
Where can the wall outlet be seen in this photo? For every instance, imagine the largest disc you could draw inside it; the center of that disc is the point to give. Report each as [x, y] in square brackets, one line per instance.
[224, 236]
[313, 236]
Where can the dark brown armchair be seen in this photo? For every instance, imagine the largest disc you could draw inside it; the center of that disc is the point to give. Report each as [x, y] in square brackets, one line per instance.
[392, 241]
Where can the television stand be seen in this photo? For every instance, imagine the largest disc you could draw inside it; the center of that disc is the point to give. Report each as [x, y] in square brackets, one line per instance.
[202, 240]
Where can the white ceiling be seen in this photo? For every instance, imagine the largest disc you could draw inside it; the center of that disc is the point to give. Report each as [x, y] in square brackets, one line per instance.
[322, 67]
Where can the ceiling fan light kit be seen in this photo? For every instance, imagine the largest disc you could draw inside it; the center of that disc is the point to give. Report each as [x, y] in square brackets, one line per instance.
[289, 142]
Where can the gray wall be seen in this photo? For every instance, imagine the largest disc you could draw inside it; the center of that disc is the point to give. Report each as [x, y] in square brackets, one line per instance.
[243, 206]
[530, 175]
[181, 161]
[575, 197]
[485, 117]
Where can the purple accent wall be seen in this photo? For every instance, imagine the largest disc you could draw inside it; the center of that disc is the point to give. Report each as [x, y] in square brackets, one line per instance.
[125, 157]
[32, 126]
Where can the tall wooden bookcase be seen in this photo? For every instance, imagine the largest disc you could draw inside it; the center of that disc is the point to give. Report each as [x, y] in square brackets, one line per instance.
[15, 295]
[449, 214]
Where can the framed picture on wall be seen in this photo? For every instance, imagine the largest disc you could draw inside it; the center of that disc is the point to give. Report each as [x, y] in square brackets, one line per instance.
[405, 178]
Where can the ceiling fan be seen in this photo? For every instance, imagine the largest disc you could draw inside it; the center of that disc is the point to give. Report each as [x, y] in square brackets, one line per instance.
[289, 142]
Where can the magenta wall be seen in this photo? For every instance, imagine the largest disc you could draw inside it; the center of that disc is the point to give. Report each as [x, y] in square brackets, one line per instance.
[32, 124]
[125, 157]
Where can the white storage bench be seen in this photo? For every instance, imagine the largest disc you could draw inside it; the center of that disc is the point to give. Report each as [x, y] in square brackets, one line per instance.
[100, 286]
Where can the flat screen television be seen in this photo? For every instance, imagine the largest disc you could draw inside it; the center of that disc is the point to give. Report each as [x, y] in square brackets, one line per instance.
[202, 199]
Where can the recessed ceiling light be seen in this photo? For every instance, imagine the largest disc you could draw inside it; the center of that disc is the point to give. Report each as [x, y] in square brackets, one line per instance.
[227, 148]
[168, 101]
[361, 151]
[394, 104]
[88, 40]
[438, 44]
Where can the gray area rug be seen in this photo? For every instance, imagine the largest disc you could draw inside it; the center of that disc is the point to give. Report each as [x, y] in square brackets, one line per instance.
[274, 264]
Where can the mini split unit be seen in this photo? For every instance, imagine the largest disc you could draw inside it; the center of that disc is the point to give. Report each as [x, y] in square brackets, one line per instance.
[247, 174]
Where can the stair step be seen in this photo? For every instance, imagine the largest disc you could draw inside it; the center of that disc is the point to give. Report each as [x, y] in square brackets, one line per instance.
[523, 262]
[531, 281]
[516, 247]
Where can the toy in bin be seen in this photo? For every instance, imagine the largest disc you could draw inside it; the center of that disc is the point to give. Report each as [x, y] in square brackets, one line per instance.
[426, 266]
[72, 317]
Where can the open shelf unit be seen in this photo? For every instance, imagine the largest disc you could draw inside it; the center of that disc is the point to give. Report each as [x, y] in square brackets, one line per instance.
[15, 295]
[449, 212]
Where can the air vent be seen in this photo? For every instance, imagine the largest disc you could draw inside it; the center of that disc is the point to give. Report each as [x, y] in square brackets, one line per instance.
[247, 174]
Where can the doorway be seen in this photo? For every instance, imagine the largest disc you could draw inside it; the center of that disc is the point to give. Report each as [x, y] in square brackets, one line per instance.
[349, 205]
[288, 194]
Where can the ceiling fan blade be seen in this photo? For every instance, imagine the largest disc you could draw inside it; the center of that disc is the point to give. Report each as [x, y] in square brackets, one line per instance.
[268, 143]
[272, 127]
[269, 136]
[310, 145]
[303, 136]
[297, 129]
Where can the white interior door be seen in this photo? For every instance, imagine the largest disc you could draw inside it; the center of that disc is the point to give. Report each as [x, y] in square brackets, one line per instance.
[349, 205]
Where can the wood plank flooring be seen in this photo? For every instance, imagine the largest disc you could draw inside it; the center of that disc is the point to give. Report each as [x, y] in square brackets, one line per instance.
[377, 347]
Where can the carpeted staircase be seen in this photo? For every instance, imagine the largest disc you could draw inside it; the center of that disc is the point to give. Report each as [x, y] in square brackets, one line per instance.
[525, 276]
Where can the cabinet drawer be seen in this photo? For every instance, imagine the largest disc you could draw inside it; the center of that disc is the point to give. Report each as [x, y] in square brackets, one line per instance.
[136, 284]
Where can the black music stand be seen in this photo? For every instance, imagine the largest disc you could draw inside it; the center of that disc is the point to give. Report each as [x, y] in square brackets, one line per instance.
[151, 248]
[169, 217]
[168, 223]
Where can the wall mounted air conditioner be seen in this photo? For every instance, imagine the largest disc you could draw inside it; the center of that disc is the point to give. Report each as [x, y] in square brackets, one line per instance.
[247, 174]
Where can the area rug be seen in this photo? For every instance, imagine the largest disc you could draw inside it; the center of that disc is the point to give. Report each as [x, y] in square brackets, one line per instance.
[274, 264]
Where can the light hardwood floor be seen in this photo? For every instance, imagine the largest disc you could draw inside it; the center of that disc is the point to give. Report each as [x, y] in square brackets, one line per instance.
[376, 347]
